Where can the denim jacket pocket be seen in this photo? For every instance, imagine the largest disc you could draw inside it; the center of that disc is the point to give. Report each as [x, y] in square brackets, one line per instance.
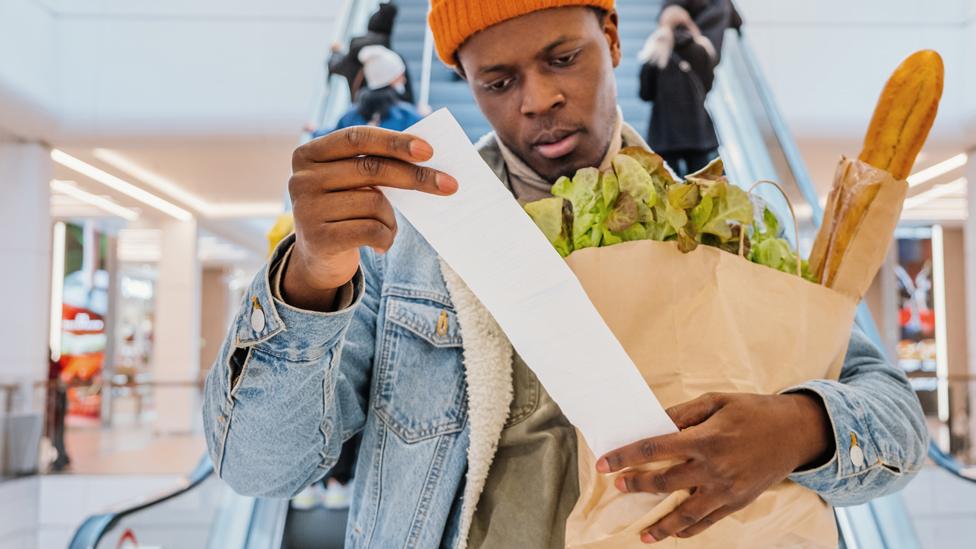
[421, 391]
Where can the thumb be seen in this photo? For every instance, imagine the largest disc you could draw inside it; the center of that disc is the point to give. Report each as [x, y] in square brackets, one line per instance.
[696, 411]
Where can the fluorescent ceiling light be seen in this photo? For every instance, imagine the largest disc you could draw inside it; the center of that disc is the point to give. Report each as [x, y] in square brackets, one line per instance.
[101, 202]
[958, 186]
[174, 190]
[939, 169]
[119, 185]
[150, 178]
[246, 209]
[935, 216]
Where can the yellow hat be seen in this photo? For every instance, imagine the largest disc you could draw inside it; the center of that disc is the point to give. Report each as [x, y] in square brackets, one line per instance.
[454, 21]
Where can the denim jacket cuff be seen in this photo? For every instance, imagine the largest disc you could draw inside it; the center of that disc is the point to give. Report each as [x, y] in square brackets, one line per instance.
[854, 454]
[274, 326]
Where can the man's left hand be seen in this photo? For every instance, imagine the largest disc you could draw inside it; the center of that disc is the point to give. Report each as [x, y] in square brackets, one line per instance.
[732, 447]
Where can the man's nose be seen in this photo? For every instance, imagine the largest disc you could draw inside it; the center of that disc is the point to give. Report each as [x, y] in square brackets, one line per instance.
[540, 95]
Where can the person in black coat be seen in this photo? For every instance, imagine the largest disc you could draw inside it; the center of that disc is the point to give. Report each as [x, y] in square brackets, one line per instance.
[677, 72]
[379, 31]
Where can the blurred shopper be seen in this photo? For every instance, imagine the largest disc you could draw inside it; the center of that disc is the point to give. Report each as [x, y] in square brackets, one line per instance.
[677, 71]
[57, 407]
[379, 32]
[379, 104]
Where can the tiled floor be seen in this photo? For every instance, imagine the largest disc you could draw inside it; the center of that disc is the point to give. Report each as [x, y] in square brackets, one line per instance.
[943, 509]
[131, 450]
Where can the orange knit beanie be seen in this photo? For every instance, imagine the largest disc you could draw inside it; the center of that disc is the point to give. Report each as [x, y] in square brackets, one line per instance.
[454, 21]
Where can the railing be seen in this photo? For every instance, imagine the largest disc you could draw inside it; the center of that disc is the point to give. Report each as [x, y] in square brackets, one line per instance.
[950, 464]
[335, 97]
[741, 86]
[426, 70]
[95, 527]
[8, 390]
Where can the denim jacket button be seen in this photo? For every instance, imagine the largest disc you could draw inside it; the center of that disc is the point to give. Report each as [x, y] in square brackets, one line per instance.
[857, 457]
[257, 319]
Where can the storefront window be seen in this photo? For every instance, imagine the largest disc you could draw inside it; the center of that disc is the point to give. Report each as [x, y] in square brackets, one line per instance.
[84, 310]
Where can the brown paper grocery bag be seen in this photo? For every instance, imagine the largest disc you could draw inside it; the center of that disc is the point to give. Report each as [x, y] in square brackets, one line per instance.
[713, 321]
[699, 322]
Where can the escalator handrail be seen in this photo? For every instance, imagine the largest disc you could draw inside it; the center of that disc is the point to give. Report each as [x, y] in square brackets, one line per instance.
[326, 104]
[798, 167]
[950, 464]
[346, 26]
[783, 135]
[95, 527]
[341, 34]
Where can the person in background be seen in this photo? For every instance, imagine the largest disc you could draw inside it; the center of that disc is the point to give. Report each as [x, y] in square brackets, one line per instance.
[57, 407]
[379, 31]
[380, 104]
[677, 70]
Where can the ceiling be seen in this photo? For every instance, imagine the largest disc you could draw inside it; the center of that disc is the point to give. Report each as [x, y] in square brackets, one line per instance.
[215, 171]
[234, 188]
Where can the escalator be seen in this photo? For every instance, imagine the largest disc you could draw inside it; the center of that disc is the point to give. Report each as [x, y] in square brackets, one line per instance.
[755, 144]
[202, 512]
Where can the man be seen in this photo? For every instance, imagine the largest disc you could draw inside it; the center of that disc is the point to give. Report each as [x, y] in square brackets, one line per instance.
[356, 327]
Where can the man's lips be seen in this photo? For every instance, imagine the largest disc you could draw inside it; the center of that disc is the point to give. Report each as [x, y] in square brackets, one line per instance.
[560, 148]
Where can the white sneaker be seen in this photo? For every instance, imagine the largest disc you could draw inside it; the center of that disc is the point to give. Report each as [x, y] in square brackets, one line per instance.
[335, 496]
[307, 498]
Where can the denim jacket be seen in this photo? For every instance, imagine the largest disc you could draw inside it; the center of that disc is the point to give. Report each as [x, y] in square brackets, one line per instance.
[290, 386]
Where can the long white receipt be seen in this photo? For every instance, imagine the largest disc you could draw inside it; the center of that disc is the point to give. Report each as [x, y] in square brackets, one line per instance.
[484, 235]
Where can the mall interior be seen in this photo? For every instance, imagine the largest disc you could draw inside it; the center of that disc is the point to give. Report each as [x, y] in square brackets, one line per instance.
[145, 150]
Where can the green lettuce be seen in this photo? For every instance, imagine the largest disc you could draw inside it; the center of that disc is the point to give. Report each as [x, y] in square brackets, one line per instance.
[638, 198]
[554, 218]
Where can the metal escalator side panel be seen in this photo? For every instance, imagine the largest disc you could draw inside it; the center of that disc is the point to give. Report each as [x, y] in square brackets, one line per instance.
[95, 527]
[267, 524]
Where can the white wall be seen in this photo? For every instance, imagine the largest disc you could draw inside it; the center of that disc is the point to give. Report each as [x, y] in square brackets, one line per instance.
[27, 68]
[25, 255]
[115, 68]
[828, 60]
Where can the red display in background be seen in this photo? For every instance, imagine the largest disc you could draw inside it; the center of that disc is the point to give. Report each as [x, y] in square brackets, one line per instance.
[83, 368]
[926, 318]
[84, 304]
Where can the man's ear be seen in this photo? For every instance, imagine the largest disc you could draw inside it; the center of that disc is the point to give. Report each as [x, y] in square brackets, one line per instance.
[611, 30]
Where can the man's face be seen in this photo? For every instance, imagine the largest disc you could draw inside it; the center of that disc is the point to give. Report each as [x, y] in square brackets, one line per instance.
[545, 82]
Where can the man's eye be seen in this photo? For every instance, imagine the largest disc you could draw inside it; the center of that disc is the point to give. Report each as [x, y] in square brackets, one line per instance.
[499, 85]
[565, 60]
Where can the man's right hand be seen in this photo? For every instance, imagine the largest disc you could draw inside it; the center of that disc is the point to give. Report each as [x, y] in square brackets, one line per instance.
[338, 207]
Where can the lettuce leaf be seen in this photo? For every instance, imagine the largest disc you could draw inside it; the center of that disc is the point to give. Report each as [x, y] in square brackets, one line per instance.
[586, 197]
[553, 216]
